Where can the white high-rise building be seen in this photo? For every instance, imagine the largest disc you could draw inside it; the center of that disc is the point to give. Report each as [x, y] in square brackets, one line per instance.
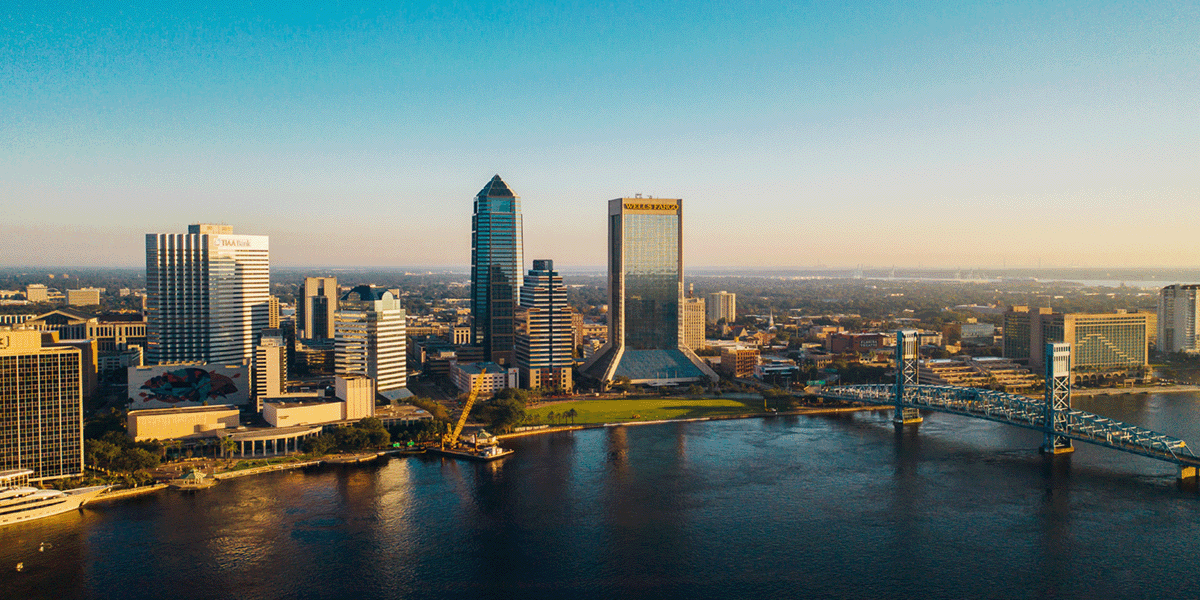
[369, 339]
[722, 305]
[207, 294]
[1178, 314]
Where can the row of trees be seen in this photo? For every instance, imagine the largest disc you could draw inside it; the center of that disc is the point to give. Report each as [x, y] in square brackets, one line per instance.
[114, 452]
[371, 433]
[367, 433]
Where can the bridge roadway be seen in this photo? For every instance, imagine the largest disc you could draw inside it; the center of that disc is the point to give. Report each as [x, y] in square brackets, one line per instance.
[1030, 413]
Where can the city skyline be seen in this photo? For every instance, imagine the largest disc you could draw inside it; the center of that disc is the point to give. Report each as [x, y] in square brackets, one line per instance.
[972, 136]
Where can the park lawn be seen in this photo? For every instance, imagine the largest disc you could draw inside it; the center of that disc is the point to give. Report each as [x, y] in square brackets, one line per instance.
[645, 409]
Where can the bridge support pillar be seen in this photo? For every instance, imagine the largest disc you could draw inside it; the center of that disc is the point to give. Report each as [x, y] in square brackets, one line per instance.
[1058, 399]
[907, 416]
[906, 375]
[1188, 472]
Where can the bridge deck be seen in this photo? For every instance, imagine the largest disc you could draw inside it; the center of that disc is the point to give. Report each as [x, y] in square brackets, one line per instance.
[1026, 412]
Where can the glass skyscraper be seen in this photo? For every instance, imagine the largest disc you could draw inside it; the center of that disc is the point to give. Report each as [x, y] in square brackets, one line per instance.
[645, 283]
[496, 264]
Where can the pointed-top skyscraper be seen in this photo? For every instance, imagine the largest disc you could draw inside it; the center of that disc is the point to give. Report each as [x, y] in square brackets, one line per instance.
[496, 263]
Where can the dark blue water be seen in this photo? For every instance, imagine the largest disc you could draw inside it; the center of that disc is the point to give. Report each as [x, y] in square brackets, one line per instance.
[788, 507]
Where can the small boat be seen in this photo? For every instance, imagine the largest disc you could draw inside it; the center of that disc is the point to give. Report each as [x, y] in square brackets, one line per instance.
[20, 501]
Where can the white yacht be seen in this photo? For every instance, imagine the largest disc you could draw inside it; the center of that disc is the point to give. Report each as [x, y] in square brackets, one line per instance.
[21, 502]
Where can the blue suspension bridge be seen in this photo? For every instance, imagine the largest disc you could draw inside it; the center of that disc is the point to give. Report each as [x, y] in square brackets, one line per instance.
[1060, 423]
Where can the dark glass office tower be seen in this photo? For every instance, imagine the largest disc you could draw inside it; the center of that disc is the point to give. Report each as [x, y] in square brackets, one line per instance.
[645, 286]
[496, 263]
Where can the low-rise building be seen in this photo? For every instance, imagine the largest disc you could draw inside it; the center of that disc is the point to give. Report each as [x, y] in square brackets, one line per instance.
[857, 343]
[492, 377]
[182, 422]
[37, 292]
[985, 372]
[776, 369]
[982, 334]
[460, 335]
[83, 297]
[401, 413]
[14, 320]
[115, 362]
[739, 362]
[354, 400]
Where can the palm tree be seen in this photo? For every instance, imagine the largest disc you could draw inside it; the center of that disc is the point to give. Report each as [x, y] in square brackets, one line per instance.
[228, 446]
[573, 413]
[550, 416]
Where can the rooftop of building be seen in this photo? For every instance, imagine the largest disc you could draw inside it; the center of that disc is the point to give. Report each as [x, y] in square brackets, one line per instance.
[496, 188]
[315, 401]
[364, 293]
[478, 367]
[650, 365]
[269, 433]
[181, 409]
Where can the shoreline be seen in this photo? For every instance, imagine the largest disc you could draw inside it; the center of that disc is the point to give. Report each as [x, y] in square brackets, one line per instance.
[1146, 389]
[128, 493]
[363, 458]
[787, 413]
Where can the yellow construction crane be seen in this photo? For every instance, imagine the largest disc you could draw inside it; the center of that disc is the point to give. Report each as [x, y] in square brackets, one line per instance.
[450, 440]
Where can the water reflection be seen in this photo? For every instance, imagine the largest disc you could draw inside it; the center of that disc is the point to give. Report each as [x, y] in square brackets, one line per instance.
[1056, 536]
[841, 506]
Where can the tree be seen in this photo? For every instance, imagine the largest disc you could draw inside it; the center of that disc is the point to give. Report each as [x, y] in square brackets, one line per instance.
[622, 383]
[572, 413]
[100, 453]
[104, 422]
[425, 430]
[135, 459]
[436, 410]
[506, 414]
[376, 434]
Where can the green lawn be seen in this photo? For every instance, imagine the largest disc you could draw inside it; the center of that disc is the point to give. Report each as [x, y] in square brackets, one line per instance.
[645, 409]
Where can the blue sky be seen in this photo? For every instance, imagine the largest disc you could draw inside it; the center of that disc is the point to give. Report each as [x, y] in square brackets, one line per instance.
[905, 133]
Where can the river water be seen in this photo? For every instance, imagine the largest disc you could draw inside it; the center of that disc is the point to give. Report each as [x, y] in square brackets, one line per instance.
[822, 507]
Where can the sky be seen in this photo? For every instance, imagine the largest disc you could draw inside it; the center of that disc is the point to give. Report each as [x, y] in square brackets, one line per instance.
[906, 133]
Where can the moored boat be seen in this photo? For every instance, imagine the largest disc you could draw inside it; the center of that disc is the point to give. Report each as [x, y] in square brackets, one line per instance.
[20, 501]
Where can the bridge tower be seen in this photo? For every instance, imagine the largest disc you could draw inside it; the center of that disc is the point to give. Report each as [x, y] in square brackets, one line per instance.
[907, 353]
[1058, 398]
